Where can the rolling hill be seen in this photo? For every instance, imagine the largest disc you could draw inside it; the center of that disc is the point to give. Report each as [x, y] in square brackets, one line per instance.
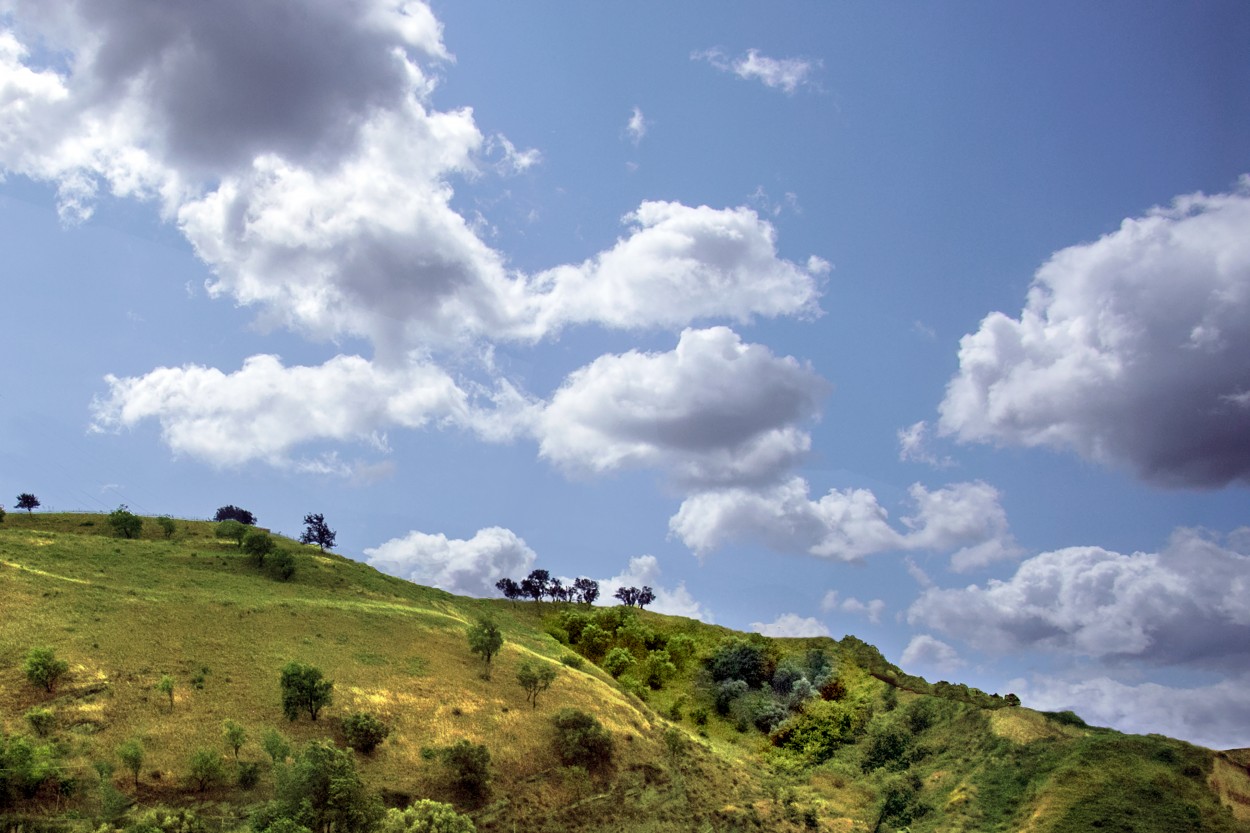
[812, 734]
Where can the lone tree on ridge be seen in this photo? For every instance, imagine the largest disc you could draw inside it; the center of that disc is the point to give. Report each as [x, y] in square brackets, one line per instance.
[317, 532]
[27, 501]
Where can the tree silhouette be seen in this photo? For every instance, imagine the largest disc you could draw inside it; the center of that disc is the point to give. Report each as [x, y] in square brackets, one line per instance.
[27, 501]
[317, 532]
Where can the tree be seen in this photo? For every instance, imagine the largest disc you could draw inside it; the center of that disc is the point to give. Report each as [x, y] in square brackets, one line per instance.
[235, 736]
[230, 512]
[317, 532]
[618, 661]
[555, 590]
[303, 689]
[535, 678]
[28, 502]
[125, 523]
[485, 640]
[131, 755]
[658, 669]
[535, 584]
[44, 669]
[276, 746]
[645, 597]
[364, 732]
[426, 816]
[469, 765]
[258, 543]
[322, 790]
[166, 687]
[206, 769]
[586, 590]
[167, 525]
[1, 514]
[509, 588]
[280, 565]
[581, 740]
[231, 530]
[627, 595]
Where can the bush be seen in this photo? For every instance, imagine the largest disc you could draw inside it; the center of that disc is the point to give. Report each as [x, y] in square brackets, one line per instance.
[322, 790]
[364, 732]
[280, 566]
[205, 769]
[469, 766]
[277, 747]
[231, 530]
[257, 543]
[581, 740]
[125, 523]
[535, 679]
[303, 689]
[658, 669]
[594, 642]
[426, 816]
[249, 774]
[749, 660]
[44, 669]
[618, 661]
[131, 755]
[573, 661]
[167, 525]
[887, 747]
[41, 720]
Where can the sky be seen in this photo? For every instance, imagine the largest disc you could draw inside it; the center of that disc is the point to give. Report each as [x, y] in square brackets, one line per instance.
[925, 324]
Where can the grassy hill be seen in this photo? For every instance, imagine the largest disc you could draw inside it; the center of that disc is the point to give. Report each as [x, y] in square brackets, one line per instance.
[872, 749]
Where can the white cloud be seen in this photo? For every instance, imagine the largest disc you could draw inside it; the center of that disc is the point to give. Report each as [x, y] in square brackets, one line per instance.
[913, 446]
[1131, 350]
[931, 654]
[871, 609]
[848, 525]
[265, 410]
[791, 625]
[1213, 715]
[644, 570]
[637, 126]
[1187, 604]
[467, 568]
[713, 410]
[785, 74]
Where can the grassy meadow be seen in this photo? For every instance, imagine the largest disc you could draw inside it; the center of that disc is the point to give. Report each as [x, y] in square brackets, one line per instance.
[124, 613]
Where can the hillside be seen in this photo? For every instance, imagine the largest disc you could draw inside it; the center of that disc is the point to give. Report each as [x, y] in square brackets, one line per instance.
[863, 747]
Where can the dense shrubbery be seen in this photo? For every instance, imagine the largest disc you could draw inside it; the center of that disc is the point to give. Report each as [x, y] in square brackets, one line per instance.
[364, 732]
[581, 740]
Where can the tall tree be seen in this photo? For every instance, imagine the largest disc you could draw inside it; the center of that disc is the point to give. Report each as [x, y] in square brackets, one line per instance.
[303, 689]
[485, 640]
[586, 590]
[535, 584]
[645, 597]
[317, 532]
[510, 589]
[27, 501]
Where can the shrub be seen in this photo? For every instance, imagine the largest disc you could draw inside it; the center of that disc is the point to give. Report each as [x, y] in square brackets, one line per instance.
[231, 530]
[887, 747]
[618, 661]
[485, 640]
[535, 679]
[469, 766]
[322, 790]
[426, 816]
[249, 774]
[43, 668]
[41, 720]
[303, 689]
[167, 525]
[658, 670]
[749, 660]
[277, 747]
[727, 692]
[205, 769]
[581, 740]
[130, 753]
[364, 732]
[573, 661]
[166, 687]
[574, 623]
[257, 543]
[594, 642]
[280, 566]
[125, 523]
[235, 736]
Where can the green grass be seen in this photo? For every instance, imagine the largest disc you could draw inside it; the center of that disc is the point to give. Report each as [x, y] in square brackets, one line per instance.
[125, 612]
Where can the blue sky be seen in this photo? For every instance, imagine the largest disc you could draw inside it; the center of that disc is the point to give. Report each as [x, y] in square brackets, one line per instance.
[927, 325]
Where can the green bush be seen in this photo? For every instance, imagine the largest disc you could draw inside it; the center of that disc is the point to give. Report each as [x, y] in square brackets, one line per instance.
[581, 740]
[426, 816]
[469, 767]
[249, 774]
[618, 661]
[167, 525]
[125, 523]
[257, 543]
[43, 668]
[231, 530]
[321, 790]
[41, 720]
[205, 769]
[364, 732]
[280, 565]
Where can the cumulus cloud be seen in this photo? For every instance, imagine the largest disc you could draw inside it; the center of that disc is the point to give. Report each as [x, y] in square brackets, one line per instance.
[1213, 715]
[913, 446]
[1188, 604]
[265, 409]
[467, 568]
[871, 609]
[792, 625]
[932, 654]
[785, 74]
[848, 525]
[302, 159]
[644, 570]
[1132, 350]
[713, 410]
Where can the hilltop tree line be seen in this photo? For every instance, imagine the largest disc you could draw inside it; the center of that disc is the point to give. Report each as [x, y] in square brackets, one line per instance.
[540, 584]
